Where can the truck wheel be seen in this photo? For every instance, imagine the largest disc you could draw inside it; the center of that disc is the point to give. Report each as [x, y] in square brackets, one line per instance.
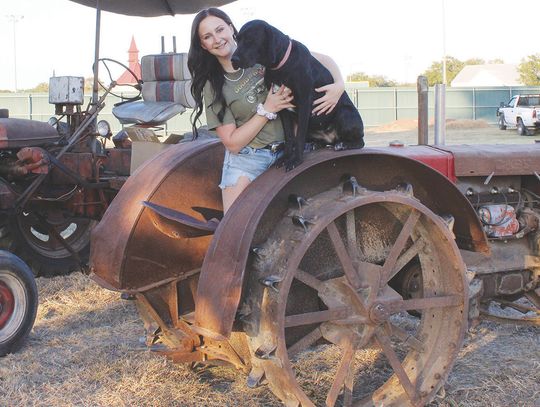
[34, 241]
[502, 122]
[18, 302]
[521, 128]
[321, 281]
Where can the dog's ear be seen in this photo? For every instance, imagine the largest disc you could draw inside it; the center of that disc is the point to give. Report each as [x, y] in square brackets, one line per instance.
[276, 44]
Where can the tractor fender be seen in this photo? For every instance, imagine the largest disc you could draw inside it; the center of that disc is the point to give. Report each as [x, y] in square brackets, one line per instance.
[128, 253]
[252, 217]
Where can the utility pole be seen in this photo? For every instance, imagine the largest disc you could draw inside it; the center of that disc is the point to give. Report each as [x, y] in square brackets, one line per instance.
[14, 19]
[444, 42]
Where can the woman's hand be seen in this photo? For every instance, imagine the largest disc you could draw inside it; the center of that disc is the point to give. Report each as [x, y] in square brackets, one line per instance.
[278, 100]
[325, 104]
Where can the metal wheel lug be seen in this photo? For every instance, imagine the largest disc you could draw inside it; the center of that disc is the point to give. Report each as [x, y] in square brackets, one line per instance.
[257, 251]
[297, 200]
[271, 282]
[255, 377]
[406, 189]
[349, 181]
[266, 352]
[301, 221]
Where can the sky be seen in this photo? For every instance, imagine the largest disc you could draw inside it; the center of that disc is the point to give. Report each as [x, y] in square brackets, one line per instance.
[394, 38]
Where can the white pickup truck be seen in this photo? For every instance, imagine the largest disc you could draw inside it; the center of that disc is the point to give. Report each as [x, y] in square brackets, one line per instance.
[521, 112]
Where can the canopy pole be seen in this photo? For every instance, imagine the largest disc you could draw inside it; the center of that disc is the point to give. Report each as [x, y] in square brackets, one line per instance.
[96, 54]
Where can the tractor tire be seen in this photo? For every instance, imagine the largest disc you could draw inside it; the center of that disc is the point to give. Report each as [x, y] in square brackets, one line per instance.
[18, 302]
[320, 300]
[24, 236]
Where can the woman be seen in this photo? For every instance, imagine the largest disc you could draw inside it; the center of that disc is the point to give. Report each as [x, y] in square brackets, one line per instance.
[238, 105]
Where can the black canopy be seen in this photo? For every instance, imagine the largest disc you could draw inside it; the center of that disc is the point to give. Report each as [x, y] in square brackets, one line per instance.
[153, 8]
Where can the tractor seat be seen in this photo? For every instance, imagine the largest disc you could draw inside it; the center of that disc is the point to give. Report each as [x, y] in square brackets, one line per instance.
[166, 91]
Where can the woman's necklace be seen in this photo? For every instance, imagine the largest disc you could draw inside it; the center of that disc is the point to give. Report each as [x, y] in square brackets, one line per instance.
[237, 79]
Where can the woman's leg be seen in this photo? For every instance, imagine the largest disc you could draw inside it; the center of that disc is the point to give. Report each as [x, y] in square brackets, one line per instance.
[230, 194]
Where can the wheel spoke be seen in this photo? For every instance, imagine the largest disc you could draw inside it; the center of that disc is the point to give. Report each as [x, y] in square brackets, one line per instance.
[348, 390]
[354, 250]
[405, 258]
[344, 258]
[405, 337]
[394, 361]
[399, 245]
[341, 374]
[318, 316]
[423, 303]
[308, 279]
[305, 342]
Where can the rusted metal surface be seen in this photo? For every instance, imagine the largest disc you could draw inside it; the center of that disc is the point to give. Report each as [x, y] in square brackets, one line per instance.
[253, 215]
[496, 159]
[359, 305]
[127, 251]
[16, 133]
[117, 162]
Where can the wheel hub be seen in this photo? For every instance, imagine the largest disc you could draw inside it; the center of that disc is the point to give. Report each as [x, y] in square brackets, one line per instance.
[379, 314]
[7, 302]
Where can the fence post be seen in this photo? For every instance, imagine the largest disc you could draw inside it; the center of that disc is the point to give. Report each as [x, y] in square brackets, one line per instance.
[395, 104]
[474, 103]
[30, 107]
[422, 89]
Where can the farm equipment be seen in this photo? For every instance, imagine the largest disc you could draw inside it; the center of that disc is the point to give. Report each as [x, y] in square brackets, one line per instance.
[375, 258]
[328, 256]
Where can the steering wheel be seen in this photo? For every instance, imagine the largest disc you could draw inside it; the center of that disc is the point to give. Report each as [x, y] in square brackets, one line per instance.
[136, 86]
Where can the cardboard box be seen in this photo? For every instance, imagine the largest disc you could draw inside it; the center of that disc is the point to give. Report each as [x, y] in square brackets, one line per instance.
[142, 151]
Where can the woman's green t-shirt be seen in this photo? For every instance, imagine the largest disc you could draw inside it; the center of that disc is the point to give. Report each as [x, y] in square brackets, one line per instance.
[243, 91]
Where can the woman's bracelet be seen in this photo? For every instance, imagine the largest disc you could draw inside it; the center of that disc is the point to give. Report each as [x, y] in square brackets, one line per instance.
[261, 111]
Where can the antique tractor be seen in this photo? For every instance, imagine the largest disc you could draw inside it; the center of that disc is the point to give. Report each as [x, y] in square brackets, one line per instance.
[335, 256]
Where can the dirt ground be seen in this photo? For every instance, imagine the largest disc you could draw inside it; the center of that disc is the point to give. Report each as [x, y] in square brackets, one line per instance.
[84, 349]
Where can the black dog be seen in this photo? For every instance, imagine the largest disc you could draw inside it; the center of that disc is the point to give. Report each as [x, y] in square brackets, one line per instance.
[289, 63]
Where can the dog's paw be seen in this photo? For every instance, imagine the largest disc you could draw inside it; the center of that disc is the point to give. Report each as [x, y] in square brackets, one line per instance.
[292, 164]
[280, 162]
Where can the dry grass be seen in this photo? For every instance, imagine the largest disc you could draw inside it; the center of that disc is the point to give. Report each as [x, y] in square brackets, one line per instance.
[84, 351]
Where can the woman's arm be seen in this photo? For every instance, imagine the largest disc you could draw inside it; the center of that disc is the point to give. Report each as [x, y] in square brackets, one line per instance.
[235, 138]
[332, 91]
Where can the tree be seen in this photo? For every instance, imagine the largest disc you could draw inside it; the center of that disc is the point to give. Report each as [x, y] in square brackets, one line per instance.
[495, 61]
[529, 70]
[374, 81]
[453, 67]
[42, 87]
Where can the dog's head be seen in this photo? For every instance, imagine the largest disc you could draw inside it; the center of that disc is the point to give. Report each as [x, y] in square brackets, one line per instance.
[258, 43]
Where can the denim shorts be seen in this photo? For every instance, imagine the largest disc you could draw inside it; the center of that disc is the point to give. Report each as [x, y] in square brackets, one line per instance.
[249, 162]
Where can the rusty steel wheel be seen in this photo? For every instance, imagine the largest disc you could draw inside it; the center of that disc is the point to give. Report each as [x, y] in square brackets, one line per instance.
[320, 282]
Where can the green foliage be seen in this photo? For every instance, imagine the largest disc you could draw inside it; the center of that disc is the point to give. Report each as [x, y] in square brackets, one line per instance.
[434, 73]
[529, 70]
[42, 87]
[374, 81]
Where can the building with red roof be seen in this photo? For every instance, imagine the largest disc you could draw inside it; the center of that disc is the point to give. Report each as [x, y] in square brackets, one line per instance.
[133, 63]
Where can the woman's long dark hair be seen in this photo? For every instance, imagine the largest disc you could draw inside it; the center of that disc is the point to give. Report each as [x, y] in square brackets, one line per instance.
[204, 67]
